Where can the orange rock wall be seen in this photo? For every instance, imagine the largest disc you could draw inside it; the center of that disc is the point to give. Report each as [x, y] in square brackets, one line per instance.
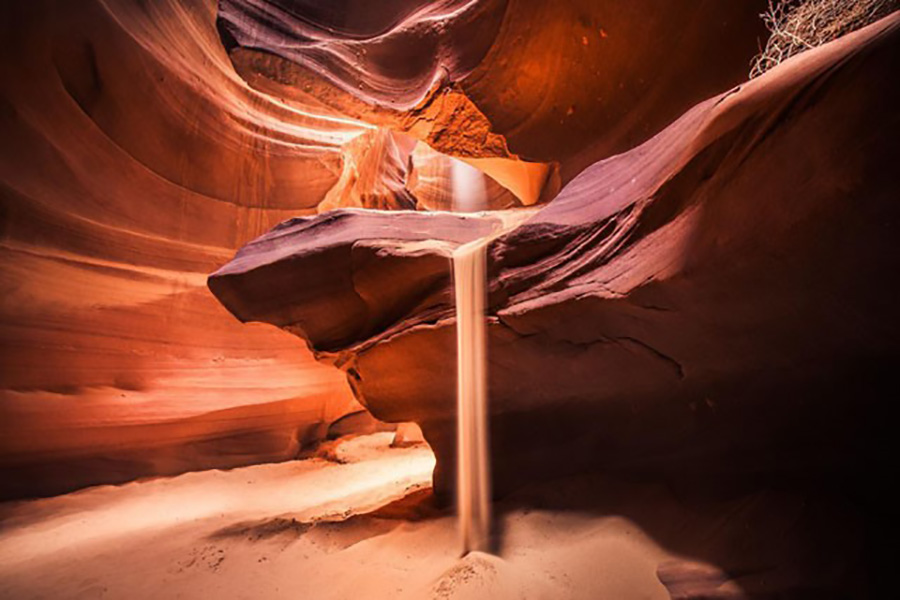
[143, 144]
[135, 162]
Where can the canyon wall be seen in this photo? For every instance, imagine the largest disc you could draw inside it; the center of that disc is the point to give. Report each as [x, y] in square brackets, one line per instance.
[134, 162]
[568, 82]
[144, 142]
[716, 301]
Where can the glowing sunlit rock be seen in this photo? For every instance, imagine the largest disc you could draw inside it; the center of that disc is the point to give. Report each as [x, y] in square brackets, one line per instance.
[672, 307]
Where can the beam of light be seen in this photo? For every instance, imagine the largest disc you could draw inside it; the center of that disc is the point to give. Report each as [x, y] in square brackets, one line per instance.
[468, 186]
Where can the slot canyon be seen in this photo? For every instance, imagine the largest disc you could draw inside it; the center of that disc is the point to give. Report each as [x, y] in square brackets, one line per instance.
[448, 299]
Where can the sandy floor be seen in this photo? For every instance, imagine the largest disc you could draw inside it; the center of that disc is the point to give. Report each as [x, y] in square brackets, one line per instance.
[359, 524]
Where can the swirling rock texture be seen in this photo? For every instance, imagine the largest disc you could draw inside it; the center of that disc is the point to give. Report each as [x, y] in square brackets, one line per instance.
[145, 141]
[383, 169]
[134, 162]
[570, 82]
[717, 301]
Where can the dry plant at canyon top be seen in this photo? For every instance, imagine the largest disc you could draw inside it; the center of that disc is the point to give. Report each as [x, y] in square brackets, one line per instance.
[798, 26]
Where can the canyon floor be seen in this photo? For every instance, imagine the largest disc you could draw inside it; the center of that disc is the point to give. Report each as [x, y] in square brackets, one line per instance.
[359, 521]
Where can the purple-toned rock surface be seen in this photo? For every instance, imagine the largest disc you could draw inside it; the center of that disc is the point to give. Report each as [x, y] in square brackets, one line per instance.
[569, 81]
[719, 299]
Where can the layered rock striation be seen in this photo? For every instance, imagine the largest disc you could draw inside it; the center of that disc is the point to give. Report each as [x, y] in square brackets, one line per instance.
[717, 300]
[135, 161]
[569, 82]
[145, 142]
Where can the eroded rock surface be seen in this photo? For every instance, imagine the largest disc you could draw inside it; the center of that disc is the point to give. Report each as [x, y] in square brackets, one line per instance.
[134, 162]
[570, 81]
[719, 299]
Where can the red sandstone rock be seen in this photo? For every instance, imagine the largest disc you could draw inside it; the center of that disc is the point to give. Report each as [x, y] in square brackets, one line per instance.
[570, 81]
[387, 170]
[135, 161]
[692, 581]
[717, 299]
[348, 274]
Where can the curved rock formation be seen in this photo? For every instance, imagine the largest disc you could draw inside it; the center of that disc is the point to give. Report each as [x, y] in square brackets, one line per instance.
[567, 81]
[719, 299]
[346, 275]
[139, 153]
[386, 170]
[392, 53]
[134, 162]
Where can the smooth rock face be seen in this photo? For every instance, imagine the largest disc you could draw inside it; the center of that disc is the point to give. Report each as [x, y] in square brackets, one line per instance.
[359, 272]
[392, 52]
[386, 170]
[717, 300]
[687, 581]
[569, 81]
[139, 153]
[134, 162]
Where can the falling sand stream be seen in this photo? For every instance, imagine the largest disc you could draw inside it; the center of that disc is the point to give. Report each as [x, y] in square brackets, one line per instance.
[473, 478]
[473, 489]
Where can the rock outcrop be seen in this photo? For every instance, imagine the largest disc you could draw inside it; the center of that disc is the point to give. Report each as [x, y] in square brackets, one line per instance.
[569, 82]
[134, 162]
[721, 299]
[144, 142]
[386, 170]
